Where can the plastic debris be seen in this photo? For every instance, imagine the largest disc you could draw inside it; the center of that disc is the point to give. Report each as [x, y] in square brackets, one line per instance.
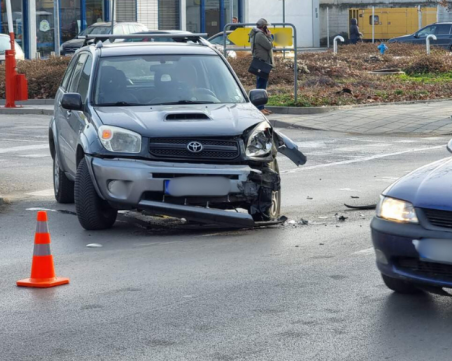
[363, 208]
[310, 198]
[94, 245]
[354, 197]
[303, 222]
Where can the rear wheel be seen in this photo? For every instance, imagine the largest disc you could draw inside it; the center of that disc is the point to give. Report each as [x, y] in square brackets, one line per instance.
[399, 286]
[63, 188]
[92, 211]
[273, 212]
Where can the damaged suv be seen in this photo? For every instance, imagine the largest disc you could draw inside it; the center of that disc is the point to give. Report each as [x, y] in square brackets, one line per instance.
[166, 128]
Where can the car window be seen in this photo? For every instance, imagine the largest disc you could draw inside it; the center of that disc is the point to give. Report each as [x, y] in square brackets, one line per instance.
[218, 40]
[83, 84]
[443, 29]
[4, 44]
[163, 79]
[427, 31]
[132, 29]
[119, 30]
[67, 75]
[77, 72]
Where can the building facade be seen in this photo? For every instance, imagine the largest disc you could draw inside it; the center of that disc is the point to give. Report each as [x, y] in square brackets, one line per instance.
[34, 20]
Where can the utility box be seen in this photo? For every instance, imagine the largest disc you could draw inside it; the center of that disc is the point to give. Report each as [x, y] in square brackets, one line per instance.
[21, 87]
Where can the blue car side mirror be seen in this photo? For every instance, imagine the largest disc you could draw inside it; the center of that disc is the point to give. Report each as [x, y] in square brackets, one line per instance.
[449, 146]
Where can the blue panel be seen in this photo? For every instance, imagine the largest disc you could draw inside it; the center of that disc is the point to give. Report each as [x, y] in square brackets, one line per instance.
[203, 16]
[240, 12]
[24, 30]
[222, 15]
[83, 14]
[107, 10]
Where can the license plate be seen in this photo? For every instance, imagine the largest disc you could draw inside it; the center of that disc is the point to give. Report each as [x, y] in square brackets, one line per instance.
[197, 186]
[439, 250]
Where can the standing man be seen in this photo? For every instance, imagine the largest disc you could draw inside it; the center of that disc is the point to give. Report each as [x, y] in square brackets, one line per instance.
[235, 20]
[262, 47]
[354, 31]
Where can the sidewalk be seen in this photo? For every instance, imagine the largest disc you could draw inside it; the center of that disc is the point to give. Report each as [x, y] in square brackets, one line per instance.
[415, 119]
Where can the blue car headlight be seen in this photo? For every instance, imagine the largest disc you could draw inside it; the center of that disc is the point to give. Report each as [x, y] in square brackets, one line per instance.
[396, 210]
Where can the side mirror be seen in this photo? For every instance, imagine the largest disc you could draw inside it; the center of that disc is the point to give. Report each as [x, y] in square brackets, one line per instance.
[416, 36]
[72, 101]
[449, 146]
[259, 97]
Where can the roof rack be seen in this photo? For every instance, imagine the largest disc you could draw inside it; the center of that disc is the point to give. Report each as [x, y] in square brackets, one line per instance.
[199, 38]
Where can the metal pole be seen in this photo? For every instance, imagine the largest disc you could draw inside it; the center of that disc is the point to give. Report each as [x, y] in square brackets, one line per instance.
[10, 62]
[112, 16]
[328, 28]
[335, 43]
[295, 64]
[284, 20]
[56, 26]
[232, 9]
[419, 17]
[427, 42]
[373, 24]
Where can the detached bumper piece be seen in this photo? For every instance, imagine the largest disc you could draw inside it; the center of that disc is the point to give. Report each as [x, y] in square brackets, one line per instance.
[199, 214]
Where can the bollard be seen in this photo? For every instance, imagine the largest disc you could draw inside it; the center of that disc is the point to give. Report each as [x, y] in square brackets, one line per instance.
[335, 42]
[427, 42]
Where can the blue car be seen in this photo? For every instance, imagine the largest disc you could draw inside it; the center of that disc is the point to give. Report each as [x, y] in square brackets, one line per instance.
[442, 31]
[412, 230]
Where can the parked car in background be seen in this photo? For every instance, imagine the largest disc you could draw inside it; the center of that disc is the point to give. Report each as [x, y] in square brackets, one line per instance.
[233, 50]
[120, 28]
[412, 230]
[442, 31]
[6, 45]
[147, 36]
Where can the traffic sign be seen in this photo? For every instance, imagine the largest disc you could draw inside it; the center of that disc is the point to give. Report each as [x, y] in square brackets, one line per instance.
[282, 37]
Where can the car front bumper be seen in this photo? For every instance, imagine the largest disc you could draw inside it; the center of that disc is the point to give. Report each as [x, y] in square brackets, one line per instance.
[397, 256]
[125, 182]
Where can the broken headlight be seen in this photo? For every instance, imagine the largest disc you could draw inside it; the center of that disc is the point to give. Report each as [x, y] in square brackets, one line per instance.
[260, 141]
[119, 140]
[396, 210]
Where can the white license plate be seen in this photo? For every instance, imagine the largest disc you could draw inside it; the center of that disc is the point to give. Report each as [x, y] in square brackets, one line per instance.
[439, 250]
[197, 186]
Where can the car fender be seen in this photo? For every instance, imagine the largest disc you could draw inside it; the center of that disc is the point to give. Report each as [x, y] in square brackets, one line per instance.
[288, 148]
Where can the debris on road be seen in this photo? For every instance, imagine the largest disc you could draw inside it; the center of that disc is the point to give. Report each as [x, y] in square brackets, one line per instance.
[363, 208]
[340, 218]
[303, 222]
[310, 198]
[354, 197]
[94, 245]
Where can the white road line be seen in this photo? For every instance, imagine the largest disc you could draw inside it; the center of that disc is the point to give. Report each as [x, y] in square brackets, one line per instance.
[365, 252]
[361, 160]
[25, 147]
[43, 193]
[22, 140]
[35, 155]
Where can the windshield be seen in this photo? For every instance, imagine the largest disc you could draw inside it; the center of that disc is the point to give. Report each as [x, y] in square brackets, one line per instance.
[4, 44]
[96, 30]
[165, 79]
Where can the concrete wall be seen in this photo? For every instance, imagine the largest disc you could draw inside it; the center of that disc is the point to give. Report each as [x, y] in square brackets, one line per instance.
[304, 14]
[339, 12]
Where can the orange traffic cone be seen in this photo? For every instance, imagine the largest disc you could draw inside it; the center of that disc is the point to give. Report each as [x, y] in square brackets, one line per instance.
[42, 270]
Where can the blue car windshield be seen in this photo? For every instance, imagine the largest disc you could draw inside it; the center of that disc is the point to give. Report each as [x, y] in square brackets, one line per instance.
[165, 79]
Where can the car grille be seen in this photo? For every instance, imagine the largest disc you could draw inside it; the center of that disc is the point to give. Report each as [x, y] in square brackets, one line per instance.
[438, 218]
[177, 148]
[428, 269]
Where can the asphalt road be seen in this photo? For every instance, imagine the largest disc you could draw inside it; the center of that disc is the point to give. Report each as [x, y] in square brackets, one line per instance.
[161, 290]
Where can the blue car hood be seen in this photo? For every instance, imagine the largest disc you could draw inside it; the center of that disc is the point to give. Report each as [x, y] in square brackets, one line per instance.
[427, 187]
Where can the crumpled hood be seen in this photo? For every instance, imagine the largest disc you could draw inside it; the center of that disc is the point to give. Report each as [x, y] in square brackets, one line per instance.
[151, 121]
[426, 187]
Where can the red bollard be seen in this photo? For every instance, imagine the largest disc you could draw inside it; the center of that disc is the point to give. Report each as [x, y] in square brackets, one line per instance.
[10, 76]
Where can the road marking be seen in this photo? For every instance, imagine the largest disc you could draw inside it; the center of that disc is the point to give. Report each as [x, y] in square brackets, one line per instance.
[21, 140]
[35, 155]
[40, 209]
[43, 193]
[365, 252]
[361, 160]
[25, 147]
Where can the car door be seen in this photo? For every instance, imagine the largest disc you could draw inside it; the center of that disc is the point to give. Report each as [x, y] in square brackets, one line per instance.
[60, 114]
[70, 121]
[443, 35]
[422, 34]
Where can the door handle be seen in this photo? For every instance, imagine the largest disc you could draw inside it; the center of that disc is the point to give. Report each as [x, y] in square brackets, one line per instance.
[68, 113]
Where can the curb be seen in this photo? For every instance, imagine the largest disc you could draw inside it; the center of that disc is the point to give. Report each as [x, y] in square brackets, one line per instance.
[286, 125]
[321, 110]
[26, 111]
[32, 102]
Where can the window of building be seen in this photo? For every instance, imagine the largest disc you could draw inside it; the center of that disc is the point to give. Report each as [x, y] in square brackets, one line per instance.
[376, 19]
[193, 16]
[169, 11]
[70, 19]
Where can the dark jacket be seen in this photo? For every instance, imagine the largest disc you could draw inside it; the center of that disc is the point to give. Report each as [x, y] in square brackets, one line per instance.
[354, 30]
[262, 46]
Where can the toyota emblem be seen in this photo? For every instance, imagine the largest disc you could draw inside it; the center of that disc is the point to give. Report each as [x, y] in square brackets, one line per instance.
[194, 147]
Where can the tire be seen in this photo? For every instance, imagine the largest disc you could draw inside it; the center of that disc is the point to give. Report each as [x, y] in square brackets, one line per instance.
[93, 212]
[63, 188]
[274, 212]
[399, 286]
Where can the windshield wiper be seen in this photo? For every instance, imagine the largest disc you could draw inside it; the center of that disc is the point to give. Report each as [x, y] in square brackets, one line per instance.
[184, 102]
[122, 103]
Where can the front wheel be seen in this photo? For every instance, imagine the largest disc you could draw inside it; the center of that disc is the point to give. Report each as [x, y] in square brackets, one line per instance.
[273, 198]
[399, 286]
[92, 211]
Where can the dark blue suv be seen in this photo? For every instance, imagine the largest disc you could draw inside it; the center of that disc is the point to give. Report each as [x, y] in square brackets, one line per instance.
[442, 31]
